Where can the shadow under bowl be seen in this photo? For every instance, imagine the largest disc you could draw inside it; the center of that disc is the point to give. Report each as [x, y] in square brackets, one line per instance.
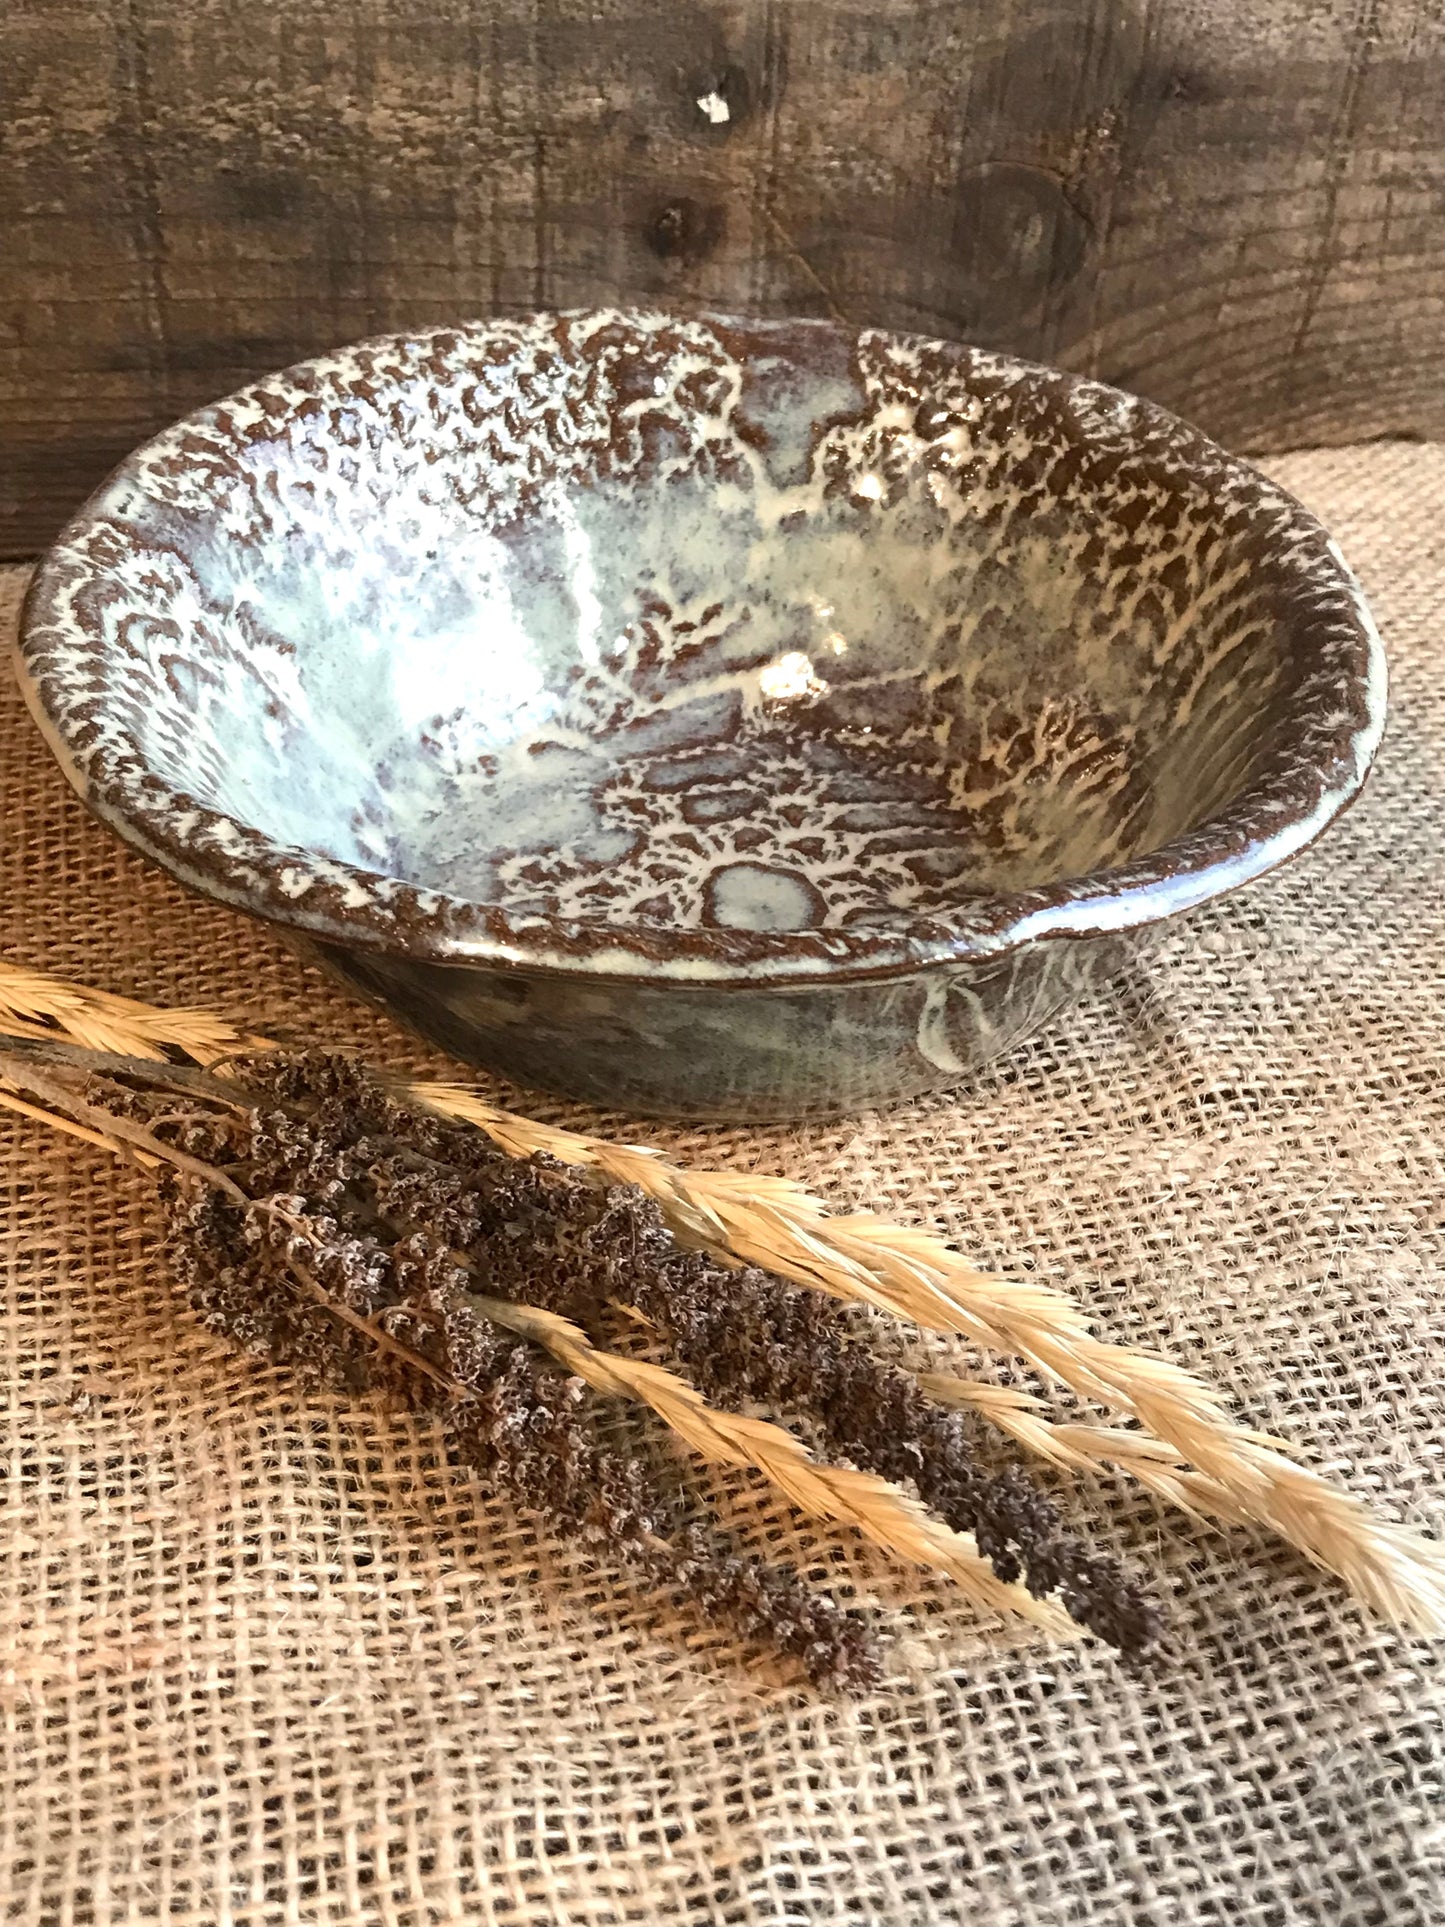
[712, 718]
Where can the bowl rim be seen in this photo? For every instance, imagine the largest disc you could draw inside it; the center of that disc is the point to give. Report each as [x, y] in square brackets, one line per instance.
[1283, 809]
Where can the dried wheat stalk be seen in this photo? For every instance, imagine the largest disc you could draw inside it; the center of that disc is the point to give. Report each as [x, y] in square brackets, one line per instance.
[1089, 1449]
[1398, 1573]
[33, 1004]
[1188, 1451]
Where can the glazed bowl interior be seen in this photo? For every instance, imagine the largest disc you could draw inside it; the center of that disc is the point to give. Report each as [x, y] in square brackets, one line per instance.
[646, 628]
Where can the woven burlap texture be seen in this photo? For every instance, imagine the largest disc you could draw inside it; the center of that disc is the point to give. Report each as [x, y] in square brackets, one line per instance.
[266, 1657]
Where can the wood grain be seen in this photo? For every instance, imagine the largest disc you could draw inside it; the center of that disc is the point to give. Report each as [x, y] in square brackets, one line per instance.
[1234, 206]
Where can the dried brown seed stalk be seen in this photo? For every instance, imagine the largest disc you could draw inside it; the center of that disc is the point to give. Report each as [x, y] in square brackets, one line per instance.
[515, 1420]
[506, 1408]
[338, 1300]
[513, 1225]
[246, 1249]
[860, 1499]
[540, 1232]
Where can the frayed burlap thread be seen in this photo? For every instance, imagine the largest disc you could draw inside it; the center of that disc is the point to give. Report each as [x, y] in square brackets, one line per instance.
[265, 1657]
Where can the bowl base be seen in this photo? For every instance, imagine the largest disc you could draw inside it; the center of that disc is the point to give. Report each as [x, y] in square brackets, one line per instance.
[732, 1054]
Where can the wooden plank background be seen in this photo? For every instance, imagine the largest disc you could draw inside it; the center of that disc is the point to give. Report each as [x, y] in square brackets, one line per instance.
[1235, 206]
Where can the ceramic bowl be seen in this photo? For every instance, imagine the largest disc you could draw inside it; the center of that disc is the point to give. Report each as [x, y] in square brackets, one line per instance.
[721, 718]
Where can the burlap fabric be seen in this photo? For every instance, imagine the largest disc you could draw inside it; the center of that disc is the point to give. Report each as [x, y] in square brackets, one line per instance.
[267, 1658]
